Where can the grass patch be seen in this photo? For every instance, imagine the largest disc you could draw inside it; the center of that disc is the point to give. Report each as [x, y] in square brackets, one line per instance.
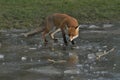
[30, 13]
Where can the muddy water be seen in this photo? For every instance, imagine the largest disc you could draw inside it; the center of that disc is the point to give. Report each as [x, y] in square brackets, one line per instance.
[94, 57]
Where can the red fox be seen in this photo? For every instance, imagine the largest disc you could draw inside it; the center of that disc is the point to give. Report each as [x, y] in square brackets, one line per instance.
[55, 23]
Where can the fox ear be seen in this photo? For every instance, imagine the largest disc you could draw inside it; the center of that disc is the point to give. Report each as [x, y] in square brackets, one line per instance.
[76, 27]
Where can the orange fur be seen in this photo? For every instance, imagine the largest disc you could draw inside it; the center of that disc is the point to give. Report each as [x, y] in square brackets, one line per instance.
[58, 22]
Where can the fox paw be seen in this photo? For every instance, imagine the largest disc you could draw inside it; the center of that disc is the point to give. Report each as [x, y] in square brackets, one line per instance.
[55, 40]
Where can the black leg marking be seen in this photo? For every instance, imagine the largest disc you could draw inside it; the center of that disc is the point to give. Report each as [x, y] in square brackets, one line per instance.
[72, 42]
[64, 37]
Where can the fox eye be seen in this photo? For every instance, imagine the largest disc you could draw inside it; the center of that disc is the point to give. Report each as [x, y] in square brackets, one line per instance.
[68, 34]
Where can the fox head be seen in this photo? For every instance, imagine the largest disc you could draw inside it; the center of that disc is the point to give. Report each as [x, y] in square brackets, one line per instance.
[73, 32]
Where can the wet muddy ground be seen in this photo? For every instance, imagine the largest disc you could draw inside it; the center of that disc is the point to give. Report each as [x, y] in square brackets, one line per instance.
[96, 55]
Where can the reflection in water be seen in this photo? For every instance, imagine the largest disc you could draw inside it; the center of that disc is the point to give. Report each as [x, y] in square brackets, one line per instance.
[28, 59]
[72, 59]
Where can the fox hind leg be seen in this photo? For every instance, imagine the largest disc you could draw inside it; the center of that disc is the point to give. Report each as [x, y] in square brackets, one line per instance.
[44, 36]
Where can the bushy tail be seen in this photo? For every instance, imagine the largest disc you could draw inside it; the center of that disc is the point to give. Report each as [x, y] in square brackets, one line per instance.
[33, 32]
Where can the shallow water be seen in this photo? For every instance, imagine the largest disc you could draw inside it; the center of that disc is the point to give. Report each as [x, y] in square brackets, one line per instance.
[29, 59]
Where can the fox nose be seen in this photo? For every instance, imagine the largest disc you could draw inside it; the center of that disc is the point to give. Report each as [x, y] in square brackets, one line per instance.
[71, 38]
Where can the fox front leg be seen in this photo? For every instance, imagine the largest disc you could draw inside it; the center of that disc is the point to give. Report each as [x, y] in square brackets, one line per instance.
[72, 42]
[53, 33]
[64, 37]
